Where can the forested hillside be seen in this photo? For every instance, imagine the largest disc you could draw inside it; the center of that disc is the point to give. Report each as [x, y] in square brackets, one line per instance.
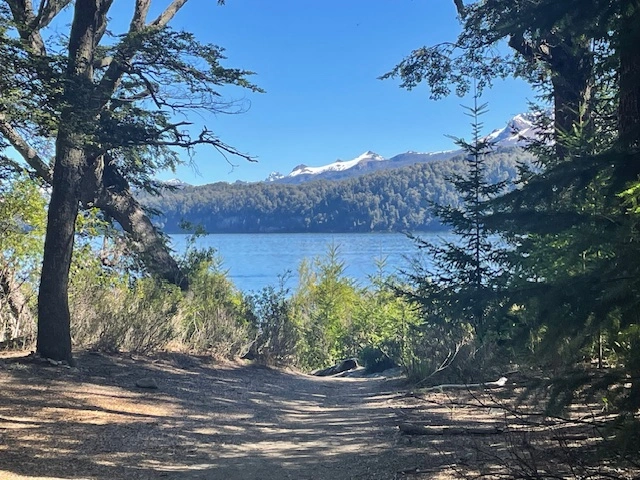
[390, 200]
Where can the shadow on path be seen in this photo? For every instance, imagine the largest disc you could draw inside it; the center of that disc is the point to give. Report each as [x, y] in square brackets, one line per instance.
[205, 420]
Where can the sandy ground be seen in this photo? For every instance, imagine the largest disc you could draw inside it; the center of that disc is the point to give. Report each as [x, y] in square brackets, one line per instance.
[231, 421]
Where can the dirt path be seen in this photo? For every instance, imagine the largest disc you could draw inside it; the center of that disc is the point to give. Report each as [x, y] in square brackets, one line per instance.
[242, 422]
[204, 420]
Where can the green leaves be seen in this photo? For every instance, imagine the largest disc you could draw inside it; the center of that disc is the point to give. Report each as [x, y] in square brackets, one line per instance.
[22, 221]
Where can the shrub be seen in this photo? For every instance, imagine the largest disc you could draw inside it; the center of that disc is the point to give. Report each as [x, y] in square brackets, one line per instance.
[214, 316]
[323, 307]
[113, 313]
[375, 360]
[277, 335]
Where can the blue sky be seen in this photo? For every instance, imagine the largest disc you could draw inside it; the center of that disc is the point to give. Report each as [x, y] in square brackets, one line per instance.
[318, 62]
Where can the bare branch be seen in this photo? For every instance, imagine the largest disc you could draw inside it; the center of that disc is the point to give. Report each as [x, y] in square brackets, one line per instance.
[48, 11]
[132, 98]
[206, 137]
[460, 8]
[166, 16]
[101, 25]
[139, 19]
[115, 70]
[25, 150]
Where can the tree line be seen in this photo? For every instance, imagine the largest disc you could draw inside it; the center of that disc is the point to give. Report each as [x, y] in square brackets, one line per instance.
[398, 199]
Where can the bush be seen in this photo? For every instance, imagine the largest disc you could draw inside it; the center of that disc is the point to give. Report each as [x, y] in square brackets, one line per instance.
[277, 334]
[435, 353]
[323, 307]
[375, 360]
[214, 316]
[111, 313]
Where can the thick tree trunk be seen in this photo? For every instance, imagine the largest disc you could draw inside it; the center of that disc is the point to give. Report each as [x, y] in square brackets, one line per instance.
[54, 330]
[572, 79]
[74, 139]
[570, 62]
[629, 77]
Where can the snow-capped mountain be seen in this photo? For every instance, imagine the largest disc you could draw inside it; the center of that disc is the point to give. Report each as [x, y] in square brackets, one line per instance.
[175, 183]
[274, 176]
[338, 165]
[516, 133]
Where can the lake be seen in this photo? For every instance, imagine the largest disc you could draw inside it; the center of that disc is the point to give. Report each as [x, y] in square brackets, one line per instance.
[255, 261]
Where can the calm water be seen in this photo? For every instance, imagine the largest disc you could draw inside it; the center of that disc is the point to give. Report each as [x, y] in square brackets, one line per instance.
[256, 260]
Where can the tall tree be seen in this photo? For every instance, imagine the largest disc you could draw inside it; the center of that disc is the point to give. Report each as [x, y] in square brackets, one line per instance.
[456, 290]
[106, 107]
[575, 266]
[545, 49]
[577, 242]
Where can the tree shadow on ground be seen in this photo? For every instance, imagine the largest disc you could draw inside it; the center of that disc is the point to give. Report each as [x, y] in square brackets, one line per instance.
[223, 421]
[205, 420]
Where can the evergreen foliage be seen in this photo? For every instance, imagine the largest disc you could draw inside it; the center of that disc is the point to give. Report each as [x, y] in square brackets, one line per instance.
[91, 113]
[390, 200]
[570, 293]
[458, 292]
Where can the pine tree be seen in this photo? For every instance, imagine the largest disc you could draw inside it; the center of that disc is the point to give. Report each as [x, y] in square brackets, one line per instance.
[575, 223]
[456, 289]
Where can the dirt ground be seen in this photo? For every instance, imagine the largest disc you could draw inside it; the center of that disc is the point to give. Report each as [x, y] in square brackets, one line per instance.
[234, 421]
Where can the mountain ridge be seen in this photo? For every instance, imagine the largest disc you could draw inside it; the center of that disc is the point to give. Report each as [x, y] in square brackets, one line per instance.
[516, 133]
[395, 199]
[366, 194]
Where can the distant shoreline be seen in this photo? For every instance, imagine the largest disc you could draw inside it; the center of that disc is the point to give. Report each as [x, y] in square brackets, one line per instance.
[370, 232]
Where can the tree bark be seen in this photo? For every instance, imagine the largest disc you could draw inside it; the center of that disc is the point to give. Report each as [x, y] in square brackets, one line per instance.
[54, 320]
[629, 77]
[74, 139]
[572, 78]
[570, 62]
[115, 199]
[17, 302]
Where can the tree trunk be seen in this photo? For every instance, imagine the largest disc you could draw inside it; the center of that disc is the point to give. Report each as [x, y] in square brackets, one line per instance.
[72, 144]
[54, 320]
[115, 199]
[629, 77]
[572, 80]
[570, 62]
[17, 302]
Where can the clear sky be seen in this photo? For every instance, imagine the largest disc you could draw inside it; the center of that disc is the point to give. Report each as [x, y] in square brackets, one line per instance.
[319, 62]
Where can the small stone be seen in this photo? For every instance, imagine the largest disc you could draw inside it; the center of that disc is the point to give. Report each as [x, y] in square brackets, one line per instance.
[147, 382]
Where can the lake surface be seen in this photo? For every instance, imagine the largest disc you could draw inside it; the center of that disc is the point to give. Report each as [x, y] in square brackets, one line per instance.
[255, 261]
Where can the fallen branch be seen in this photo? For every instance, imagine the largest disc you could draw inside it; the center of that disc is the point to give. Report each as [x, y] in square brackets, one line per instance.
[412, 429]
[501, 382]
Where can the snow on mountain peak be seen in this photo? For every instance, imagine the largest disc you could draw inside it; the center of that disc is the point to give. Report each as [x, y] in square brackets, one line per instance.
[369, 155]
[518, 131]
[337, 166]
[175, 183]
[273, 176]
